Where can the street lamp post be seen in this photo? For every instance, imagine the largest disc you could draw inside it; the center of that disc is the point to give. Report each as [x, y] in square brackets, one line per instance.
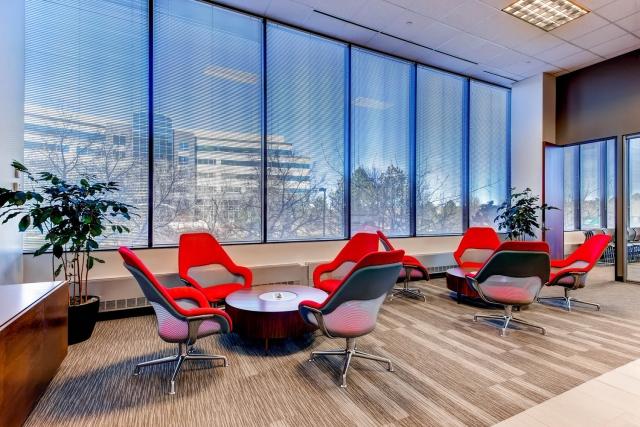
[324, 210]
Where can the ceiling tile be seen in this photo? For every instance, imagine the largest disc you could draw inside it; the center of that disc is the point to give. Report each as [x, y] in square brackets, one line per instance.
[578, 60]
[377, 14]
[289, 11]
[471, 48]
[530, 67]
[599, 36]
[615, 46]
[432, 8]
[619, 9]
[498, 4]
[506, 30]
[579, 27]
[341, 8]
[425, 31]
[630, 23]
[469, 13]
[435, 59]
[558, 52]
[594, 4]
[255, 6]
[538, 44]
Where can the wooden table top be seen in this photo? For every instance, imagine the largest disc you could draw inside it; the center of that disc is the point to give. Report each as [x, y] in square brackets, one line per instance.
[274, 298]
[15, 299]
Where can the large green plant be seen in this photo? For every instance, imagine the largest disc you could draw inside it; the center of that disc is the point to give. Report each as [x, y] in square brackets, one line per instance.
[518, 216]
[71, 217]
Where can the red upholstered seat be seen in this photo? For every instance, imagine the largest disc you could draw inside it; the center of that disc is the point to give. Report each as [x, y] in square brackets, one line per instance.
[579, 262]
[202, 249]
[356, 248]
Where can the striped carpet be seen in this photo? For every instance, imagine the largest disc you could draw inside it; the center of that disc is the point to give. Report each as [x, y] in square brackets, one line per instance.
[449, 370]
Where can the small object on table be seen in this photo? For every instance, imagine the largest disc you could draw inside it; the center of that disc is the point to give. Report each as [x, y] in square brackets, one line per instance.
[405, 290]
[271, 311]
[457, 282]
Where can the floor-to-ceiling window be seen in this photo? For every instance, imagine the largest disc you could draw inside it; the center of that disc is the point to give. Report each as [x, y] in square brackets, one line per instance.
[488, 152]
[252, 130]
[86, 67]
[571, 177]
[440, 136]
[590, 185]
[207, 122]
[633, 208]
[381, 141]
[306, 131]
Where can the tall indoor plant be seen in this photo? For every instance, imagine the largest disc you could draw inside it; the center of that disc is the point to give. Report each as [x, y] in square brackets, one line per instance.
[71, 217]
[518, 216]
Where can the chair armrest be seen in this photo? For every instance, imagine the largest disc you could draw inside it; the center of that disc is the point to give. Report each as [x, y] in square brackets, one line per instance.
[561, 263]
[324, 268]
[184, 292]
[239, 270]
[308, 307]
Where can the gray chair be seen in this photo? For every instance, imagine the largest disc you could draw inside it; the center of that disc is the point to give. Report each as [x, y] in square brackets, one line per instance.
[512, 278]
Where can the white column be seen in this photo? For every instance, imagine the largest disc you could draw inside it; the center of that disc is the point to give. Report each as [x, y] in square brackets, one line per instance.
[532, 124]
[11, 126]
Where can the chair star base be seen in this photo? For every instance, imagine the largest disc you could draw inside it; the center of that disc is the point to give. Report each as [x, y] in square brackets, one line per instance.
[182, 355]
[508, 318]
[568, 300]
[350, 352]
[405, 290]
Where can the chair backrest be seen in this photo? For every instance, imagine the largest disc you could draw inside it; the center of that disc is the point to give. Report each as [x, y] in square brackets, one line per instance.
[385, 241]
[520, 263]
[535, 246]
[200, 249]
[358, 246]
[351, 310]
[153, 290]
[477, 245]
[591, 250]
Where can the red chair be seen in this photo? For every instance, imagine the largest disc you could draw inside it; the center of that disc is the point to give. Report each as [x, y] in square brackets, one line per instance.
[357, 247]
[410, 265]
[182, 313]
[571, 272]
[476, 246]
[202, 249]
[351, 310]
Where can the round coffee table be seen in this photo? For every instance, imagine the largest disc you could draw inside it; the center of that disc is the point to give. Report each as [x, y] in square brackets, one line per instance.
[457, 282]
[271, 311]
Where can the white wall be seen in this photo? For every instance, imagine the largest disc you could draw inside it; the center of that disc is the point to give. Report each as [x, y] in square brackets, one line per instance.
[11, 126]
[532, 123]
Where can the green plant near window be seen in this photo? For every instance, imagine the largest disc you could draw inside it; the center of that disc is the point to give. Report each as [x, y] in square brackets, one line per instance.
[71, 217]
[518, 216]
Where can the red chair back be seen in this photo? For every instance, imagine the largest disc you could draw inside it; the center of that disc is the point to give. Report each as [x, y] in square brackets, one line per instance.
[533, 246]
[199, 249]
[591, 250]
[476, 238]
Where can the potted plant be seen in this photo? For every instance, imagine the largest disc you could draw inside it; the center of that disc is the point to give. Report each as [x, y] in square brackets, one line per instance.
[71, 218]
[518, 216]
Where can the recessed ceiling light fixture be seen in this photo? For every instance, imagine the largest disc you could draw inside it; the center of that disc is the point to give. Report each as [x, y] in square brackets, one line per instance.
[546, 14]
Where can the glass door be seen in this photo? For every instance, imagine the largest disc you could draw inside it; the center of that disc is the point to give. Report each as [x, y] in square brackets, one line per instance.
[632, 207]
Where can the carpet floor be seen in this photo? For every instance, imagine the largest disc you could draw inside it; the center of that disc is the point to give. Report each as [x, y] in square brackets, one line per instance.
[450, 371]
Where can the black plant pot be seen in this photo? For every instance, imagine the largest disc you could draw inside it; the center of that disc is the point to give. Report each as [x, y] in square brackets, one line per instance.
[82, 319]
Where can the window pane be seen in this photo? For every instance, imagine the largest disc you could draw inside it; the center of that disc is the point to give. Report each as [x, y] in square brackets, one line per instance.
[570, 190]
[611, 183]
[590, 167]
[634, 182]
[85, 81]
[488, 152]
[306, 84]
[439, 149]
[380, 100]
[207, 122]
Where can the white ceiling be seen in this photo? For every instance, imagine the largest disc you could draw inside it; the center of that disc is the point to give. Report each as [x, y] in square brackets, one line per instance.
[476, 30]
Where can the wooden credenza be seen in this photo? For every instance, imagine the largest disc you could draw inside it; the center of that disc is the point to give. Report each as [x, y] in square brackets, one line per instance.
[33, 343]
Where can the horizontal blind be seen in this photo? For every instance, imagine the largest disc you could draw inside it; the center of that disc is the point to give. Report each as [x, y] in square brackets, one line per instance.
[207, 75]
[86, 68]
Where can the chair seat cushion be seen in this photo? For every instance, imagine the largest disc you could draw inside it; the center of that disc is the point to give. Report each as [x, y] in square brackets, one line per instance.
[328, 285]
[218, 292]
[509, 290]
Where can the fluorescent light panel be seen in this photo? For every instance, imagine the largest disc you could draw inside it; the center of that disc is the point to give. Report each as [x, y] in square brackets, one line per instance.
[546, 14]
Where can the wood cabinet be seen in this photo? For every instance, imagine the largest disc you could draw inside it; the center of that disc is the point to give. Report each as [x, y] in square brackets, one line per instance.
[33, 343]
